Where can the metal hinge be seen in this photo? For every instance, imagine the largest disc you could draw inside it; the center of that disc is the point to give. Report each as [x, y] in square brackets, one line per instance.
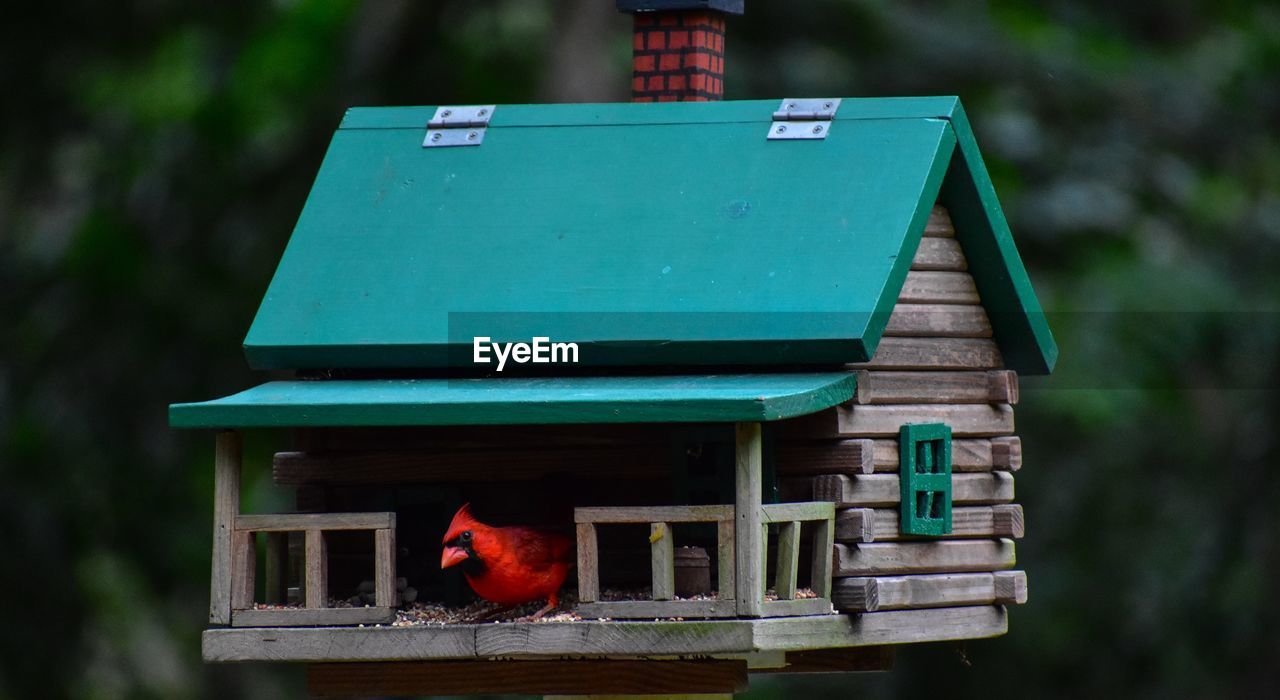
[803, 119]
[458, 126]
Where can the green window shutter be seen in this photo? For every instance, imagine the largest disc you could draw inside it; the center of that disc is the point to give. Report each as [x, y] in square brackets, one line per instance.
[925, 455]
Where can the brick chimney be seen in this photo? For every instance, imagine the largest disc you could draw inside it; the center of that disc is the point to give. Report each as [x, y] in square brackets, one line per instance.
[678, 48]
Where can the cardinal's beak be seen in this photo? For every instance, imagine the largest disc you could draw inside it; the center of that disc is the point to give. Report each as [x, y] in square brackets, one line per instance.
[452, 556]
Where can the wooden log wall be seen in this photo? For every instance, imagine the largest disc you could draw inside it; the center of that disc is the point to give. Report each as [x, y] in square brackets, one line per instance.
[937, 363]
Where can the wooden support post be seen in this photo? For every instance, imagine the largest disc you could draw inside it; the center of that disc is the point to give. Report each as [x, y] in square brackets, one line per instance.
[317, 568]
[276, 568]
[244, 563]
[824, 535]
[749, 543]
[384, 572]
[588, 564]
[662, 559]
[725, 560]
[788, 560]
[226, 505]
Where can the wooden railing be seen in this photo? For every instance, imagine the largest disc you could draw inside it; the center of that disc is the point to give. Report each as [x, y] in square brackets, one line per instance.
[315, 566]
[727, 602]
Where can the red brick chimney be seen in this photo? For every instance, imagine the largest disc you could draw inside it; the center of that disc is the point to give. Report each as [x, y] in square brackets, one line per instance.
[678, 48]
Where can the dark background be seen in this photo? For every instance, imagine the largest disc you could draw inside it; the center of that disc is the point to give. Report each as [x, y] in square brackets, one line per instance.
[154, 156]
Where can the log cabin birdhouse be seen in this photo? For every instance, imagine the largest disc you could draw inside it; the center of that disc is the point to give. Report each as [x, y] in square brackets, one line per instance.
[759, 358]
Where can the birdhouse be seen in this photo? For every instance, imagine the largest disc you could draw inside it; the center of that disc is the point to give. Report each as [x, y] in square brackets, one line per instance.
[772, 344]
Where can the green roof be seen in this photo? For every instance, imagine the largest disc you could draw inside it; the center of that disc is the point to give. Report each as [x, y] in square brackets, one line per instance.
[670, 234]
[408, 402]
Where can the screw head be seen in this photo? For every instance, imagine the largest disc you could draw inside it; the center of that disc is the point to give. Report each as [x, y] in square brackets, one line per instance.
[826, 105]
[446, 113]
[482, 112]
[791, 105]
[782, 129]
[471, 136]
[817, 128]
[436, 136]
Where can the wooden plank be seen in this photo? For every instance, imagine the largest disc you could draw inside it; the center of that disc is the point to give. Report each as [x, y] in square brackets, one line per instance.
[824, 457]
[726, 572]
[939, 254]
[859, 525]
[938, 321]
[294, 522]
[1006, 452]
[965, 420]
[317, 617]
[926, 591]
[1004, 386]
[650, 609]
[749, 544]
[577, 677]
[849, 660]
[788, 563]
[943, 556]
[881, 525]
[1010, 587]
[612, 638]
[939, 225]
[893, 387]
[888, 627]
[865, 455]
[316, 567]
[934, 354]
[588, 563]
[883, 489]
[856, 594]
[971, 455]
[662, 561]
[835, 423]
[244, 564]
[928, 287]
[653, 514]
[797, 512]
[797, 607]
[226, 504]
[385, 567]
[591, 638]
[1008, 521]
[276, 567]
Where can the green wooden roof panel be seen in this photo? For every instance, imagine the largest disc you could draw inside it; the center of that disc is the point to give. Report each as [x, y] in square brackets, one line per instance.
[490, 401]
[1017, 320]
[648, 234]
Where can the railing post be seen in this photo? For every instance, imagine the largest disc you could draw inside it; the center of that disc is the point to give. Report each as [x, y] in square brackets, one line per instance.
[749, 545]
[662, 561]
[384, 558]
[788, 560]
[317, 567]
[588, 564]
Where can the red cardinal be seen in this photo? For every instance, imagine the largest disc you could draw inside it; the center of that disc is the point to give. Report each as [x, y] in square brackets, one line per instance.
[508, 565]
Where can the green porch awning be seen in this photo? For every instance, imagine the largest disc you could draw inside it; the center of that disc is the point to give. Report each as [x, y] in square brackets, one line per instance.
[493, 401]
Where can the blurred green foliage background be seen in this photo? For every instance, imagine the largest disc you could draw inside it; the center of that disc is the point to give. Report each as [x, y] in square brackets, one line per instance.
[154, 155]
